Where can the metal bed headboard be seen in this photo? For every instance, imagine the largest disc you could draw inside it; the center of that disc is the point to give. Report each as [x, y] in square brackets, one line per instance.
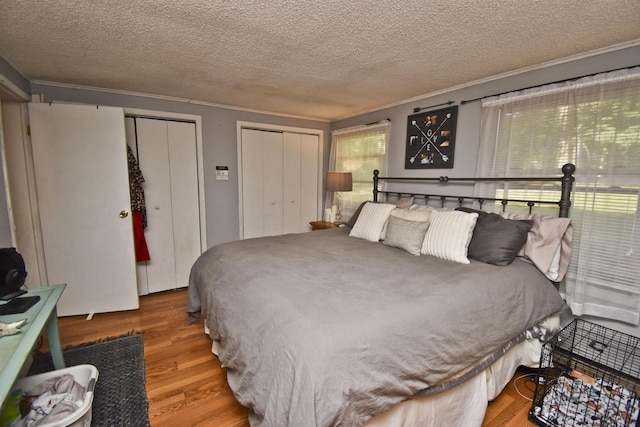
[566, 181]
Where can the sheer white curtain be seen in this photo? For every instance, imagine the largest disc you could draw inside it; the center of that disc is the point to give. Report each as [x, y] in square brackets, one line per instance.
[359, 150]
[593, 122]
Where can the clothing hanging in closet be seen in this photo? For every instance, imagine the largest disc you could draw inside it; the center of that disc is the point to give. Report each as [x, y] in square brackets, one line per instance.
[138, 207]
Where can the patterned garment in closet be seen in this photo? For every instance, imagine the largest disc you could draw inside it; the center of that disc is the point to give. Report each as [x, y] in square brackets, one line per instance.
[135, 187]
[138, 208]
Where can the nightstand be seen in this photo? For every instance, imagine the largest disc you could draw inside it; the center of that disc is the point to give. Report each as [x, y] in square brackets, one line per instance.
[322, 225]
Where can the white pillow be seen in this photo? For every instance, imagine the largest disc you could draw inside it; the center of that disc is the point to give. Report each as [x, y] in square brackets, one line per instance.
[421, 208]
[449, 235]
[548, 244]
[371, 221]
[554, 269]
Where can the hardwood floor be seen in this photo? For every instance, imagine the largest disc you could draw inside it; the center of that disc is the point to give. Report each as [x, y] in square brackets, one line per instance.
[511, 407]
[186, 385]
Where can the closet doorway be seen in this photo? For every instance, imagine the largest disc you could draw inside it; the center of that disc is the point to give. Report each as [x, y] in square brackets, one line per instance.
[279, 179]
[79, 206]
[167, 154]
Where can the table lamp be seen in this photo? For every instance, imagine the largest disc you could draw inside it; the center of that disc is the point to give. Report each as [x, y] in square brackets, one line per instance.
[337, 182]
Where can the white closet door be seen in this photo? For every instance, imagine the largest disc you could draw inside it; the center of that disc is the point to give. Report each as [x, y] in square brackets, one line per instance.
[309, 158]
[272, 178]
[300, 181]
[279, 182]
[81, 175]
[291, 182]
[262, 183]
[252, 183]
[168, 161]
[153, 152]
[184, 198]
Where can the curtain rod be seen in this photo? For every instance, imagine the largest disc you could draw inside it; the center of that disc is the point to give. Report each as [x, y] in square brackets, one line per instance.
[378, 122]
[361, 127]
[545, 84]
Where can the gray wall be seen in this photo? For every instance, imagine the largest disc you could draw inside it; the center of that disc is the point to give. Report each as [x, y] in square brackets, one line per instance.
[12, 75]
[218, 145]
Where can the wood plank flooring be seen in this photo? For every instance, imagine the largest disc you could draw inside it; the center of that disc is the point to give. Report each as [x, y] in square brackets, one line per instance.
[186, 385]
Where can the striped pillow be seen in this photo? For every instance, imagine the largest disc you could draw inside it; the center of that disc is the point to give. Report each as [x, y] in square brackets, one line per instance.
[371, 221]
[449, 235]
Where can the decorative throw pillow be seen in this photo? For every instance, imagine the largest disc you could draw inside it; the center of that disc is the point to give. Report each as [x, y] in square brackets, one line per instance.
[496, 240]
[354, 217]
[548, 244]
[416, 207]
[405, 234]
[402, 203]
[371, 221]
[449, 235]
[412, 214]
[356, 214]
[428, 208]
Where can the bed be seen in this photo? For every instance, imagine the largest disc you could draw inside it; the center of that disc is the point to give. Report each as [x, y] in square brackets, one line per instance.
[409, 315]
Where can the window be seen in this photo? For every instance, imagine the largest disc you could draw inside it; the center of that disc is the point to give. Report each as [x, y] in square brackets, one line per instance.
[594, 123]
[358, 150]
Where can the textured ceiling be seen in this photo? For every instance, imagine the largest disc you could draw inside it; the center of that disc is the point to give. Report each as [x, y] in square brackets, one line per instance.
[324, 59]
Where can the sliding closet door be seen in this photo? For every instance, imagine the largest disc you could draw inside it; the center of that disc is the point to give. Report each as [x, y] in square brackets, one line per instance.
[279, 182]
[272, 183]
[252, 168]
[166, 152]
[184, 198]
[300, 181]
[81, 178]
[262, 183]
[153, 158]
[292, 173]
[309, 158]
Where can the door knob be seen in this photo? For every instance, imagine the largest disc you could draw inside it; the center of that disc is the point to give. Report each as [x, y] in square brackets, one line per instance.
[124, 214]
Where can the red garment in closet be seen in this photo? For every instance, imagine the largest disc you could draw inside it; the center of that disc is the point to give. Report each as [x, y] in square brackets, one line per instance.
[142, 252]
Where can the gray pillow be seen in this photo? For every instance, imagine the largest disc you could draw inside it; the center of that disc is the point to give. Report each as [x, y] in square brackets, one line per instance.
[497, 240]
[405, 234]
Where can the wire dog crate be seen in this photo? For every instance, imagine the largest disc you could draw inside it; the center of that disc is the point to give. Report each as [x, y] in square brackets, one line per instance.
[589, 376]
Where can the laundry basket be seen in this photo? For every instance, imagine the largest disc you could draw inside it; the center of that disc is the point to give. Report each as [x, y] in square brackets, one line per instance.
[85, 375]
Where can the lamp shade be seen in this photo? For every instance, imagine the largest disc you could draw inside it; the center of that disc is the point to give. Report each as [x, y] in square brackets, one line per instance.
[339, 181]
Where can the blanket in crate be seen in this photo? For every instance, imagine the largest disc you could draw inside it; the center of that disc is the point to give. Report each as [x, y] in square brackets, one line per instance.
[573, 402]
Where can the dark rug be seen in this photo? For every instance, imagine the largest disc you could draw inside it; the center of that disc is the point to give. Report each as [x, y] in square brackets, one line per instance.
[120, 397]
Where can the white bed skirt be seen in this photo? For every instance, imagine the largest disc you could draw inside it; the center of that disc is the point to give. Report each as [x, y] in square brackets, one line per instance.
[465, 404]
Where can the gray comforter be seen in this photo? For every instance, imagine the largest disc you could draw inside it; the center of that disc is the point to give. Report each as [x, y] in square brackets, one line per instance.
[323, 329]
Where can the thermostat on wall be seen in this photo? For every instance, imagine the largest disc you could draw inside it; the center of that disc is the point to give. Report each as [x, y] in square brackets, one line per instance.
[222, 173]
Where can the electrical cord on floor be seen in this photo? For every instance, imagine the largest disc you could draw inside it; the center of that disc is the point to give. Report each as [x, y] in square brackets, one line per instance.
[530, 378]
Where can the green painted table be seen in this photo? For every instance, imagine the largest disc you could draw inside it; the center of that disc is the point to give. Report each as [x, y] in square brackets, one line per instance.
[16, 349]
